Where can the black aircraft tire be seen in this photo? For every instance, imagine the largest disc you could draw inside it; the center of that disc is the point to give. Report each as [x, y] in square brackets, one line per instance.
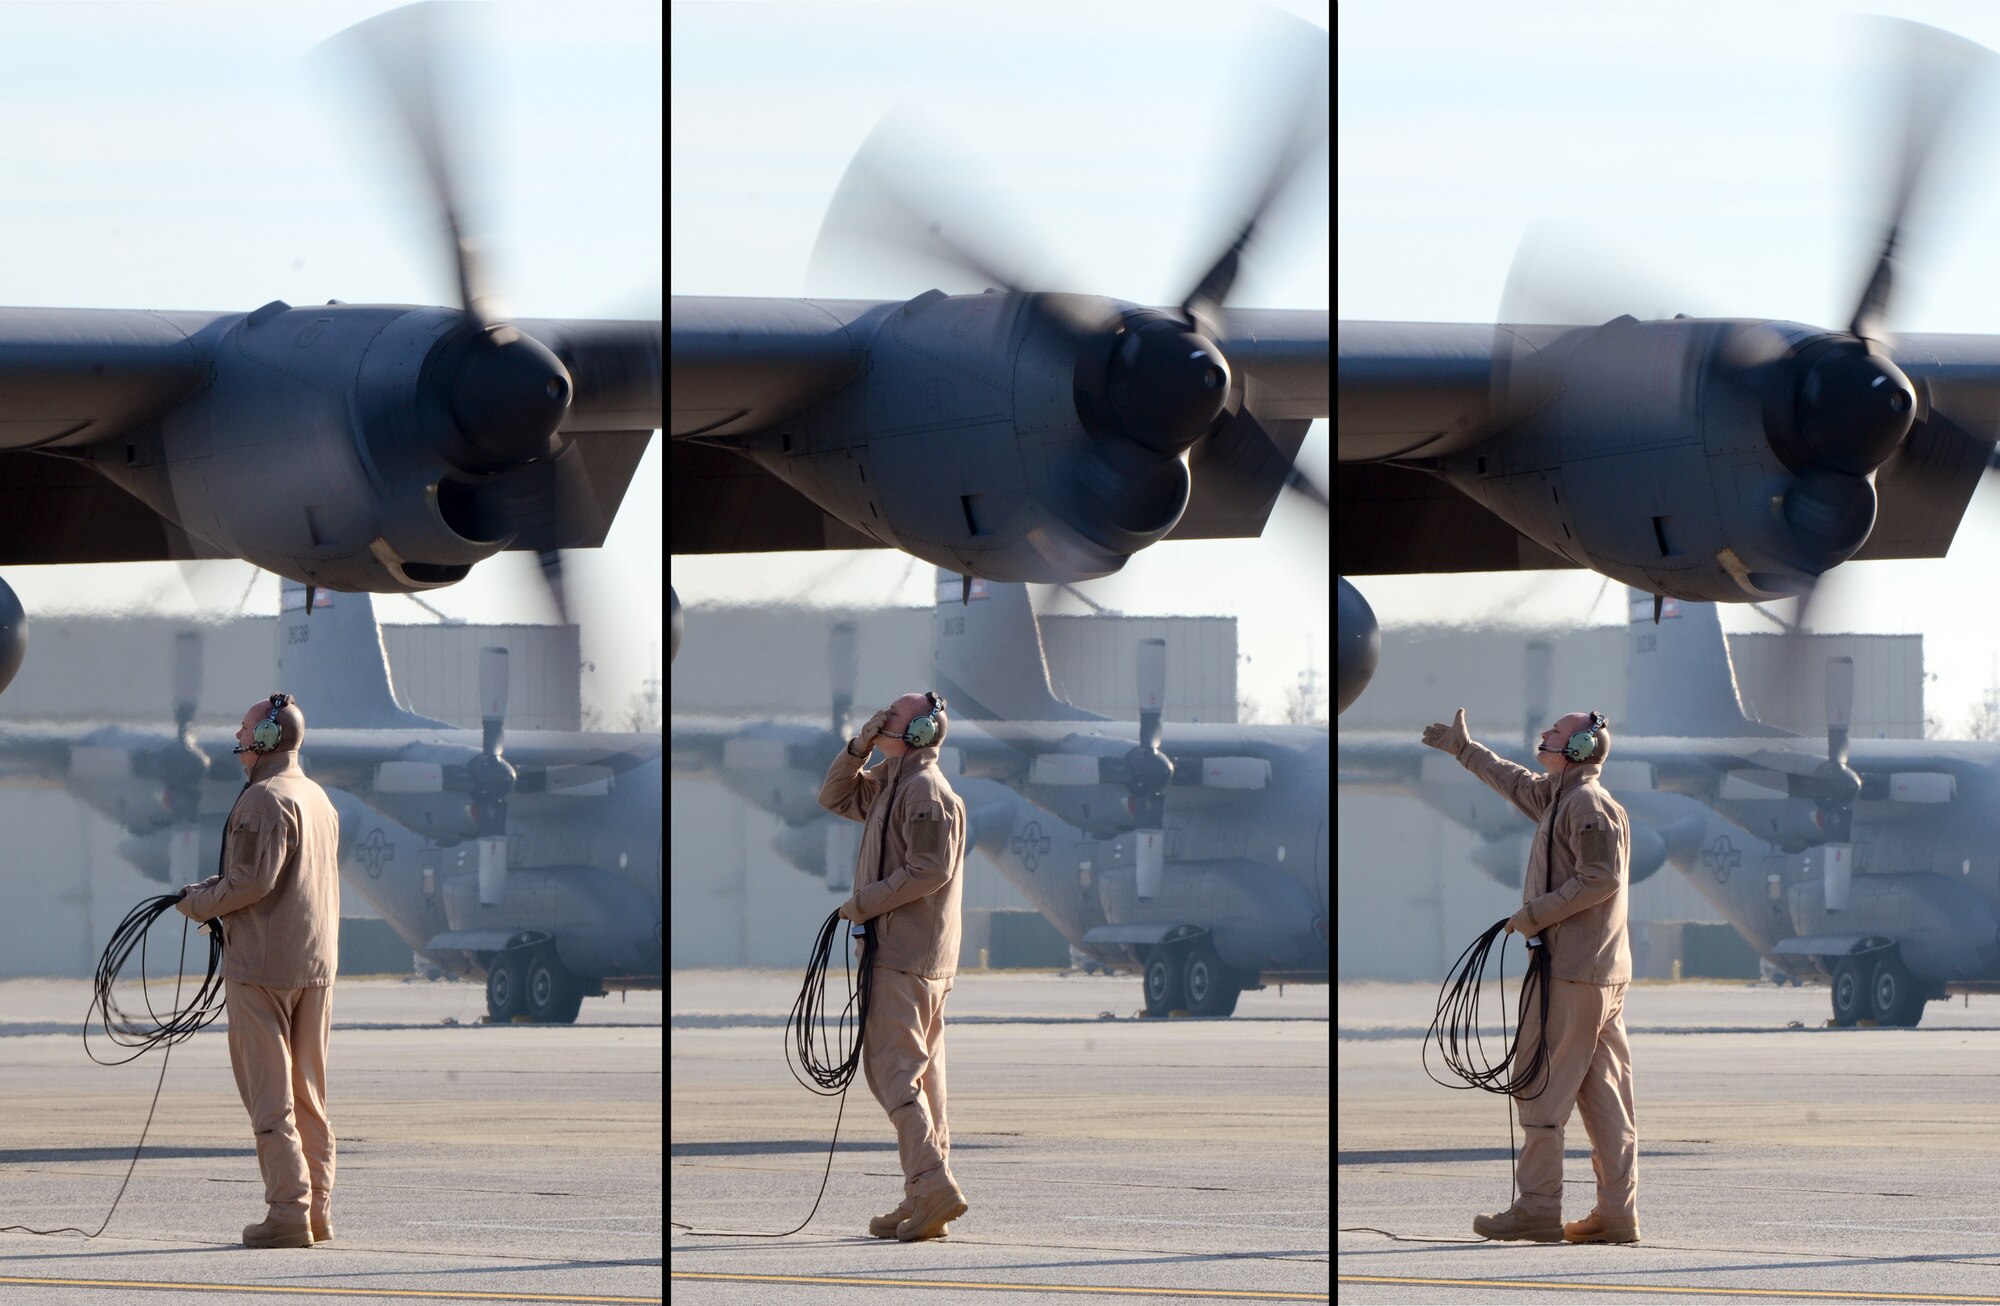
[1210, 986]
[1850, 992]
[1894, 996]
[1163, 982]
[506, 987]
[554, 996]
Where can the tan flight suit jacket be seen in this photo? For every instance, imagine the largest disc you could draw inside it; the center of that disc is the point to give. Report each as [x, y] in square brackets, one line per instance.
[914, 905]
[279, 891]
[1577, 905]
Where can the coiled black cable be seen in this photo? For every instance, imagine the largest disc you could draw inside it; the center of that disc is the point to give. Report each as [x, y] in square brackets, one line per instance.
[179, 1024]
[1455, 1027]
[829, 1075]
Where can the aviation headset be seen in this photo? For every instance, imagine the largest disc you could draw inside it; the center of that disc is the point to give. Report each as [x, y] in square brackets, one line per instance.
[1583, 744]
[926, 730]
[268, 732]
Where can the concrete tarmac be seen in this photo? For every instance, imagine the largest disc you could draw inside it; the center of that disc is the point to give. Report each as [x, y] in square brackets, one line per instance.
[475, 1162]
[1778, 1159]
[1104, 1157]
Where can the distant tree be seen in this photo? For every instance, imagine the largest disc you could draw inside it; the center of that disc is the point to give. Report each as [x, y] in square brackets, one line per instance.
[1304, 706]
[642, 712]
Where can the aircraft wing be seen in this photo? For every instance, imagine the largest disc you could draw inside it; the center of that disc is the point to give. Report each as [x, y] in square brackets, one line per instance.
[1412, 391]
[34, 753]
[1007, 750]
[741, 366]
[704, 747]
[543, 759]
[70, 378]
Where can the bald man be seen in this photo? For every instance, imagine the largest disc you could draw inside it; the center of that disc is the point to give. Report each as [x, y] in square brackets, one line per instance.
[278, 899]
[1573, 903]
[907, 882]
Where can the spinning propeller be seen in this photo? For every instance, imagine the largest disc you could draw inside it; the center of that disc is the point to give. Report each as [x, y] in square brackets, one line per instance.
[1151, 385]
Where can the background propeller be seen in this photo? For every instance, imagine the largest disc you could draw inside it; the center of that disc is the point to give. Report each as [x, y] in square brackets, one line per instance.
[491, 778]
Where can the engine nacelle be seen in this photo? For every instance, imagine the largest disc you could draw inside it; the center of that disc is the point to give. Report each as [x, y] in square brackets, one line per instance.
[1728, 459]
[1038, 437]
[356, 447]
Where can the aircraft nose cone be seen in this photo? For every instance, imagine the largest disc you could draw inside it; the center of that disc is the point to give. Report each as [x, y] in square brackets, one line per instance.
[1169, 385]
[508, 394]
[1855, 407]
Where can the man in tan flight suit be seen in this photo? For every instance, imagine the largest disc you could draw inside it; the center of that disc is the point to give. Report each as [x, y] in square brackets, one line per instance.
[278, 897]
[1573, 897]
[907, 883]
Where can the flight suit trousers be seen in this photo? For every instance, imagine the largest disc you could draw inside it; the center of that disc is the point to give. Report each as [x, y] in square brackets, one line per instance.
[277, 1046]
[902, 1055]
[1589, 1070]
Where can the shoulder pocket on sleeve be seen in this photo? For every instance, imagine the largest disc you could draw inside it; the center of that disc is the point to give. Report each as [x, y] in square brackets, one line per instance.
[926, 830]
[1596, 845]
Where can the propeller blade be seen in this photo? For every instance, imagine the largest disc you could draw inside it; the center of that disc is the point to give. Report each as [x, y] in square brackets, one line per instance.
[1293, 72]
[1151, 848]
[187, 677]
[1938, 67]
[550, 561]
[183, 854]
[1540, 671]
[1837, 868]
[1152, 689]
[1839, 707]
[902, 201]
[492, 696]
[492, 870]
[843, 660]
[405, 48]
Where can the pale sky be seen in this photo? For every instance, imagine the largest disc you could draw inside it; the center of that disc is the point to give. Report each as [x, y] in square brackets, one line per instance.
[1684, 172]
[1101, 123]
[193, 156]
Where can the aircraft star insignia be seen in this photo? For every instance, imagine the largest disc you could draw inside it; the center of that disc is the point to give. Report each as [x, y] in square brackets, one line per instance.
[1721, 858]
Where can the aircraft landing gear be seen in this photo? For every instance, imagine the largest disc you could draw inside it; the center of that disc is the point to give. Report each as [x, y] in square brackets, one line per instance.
[506, 987]
[1163, 981]
[1210, 986]
[1894, 996]
[1850, 992]
[554, 995]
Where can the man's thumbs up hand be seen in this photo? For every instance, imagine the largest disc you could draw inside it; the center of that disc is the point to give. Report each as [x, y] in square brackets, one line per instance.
[1449, 738]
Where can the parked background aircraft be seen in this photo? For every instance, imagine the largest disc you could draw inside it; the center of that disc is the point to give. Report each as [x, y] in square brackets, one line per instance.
[535, 862]
[417, 441]
[1869, 863]
[1722, 458]
[1196, 853]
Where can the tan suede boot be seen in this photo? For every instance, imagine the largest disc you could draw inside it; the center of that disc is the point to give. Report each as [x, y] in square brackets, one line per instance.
[884, 1226]
[1594, 1228]
[322, 1227]
[929, 1213]
[1516, 1225]
[271, 1233]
